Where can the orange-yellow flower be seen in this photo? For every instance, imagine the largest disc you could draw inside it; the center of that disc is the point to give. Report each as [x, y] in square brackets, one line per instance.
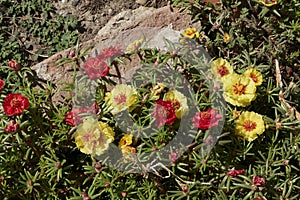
[126, 140]
[268, 3]
[226, 38]
[239, 90]
[221, 67]
[249, 125]
[255, 75]
[191, 33]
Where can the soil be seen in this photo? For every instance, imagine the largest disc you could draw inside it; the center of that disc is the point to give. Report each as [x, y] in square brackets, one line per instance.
[92, 15]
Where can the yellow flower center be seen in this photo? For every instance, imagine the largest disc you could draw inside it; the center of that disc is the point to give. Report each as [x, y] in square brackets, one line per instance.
[249, 125]
[205, 115]
[120, 99]
[239, 88]
[222, 70]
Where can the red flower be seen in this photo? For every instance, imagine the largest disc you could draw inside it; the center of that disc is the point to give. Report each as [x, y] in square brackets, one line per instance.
[12, 127]
[234, 172]
[164, 113]
[14, 65]
[73, 117]
[95, 68]
[109, 53]
[14, 104]
[258, 181]
[1, 84]
[206, 119]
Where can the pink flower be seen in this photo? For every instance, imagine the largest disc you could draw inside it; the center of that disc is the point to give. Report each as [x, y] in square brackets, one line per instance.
[235, 172]
[14, 65]
[173, 157]
[164, 112]
[1, 84]
[206, 119]
[257, 181]
[109, 53]
[12, 127]
[96, 68]
[14, 104]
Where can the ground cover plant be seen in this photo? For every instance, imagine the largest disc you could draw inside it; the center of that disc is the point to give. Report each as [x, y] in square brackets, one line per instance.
[216, 116]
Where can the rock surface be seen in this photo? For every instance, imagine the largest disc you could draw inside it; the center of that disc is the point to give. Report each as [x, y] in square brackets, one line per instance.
[121, 30]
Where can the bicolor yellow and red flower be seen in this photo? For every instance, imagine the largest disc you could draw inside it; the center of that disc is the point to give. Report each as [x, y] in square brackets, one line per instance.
[221, 67]
[249, 125]
[15, 104]
[179, 102]
[255, 76]
[121, 97]
[191, 33]
[93, 137]
[164, 112]
[239, 90]
[206, 119]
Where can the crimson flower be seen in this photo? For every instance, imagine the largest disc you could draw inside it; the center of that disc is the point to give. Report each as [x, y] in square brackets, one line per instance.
[206, 119]
[73, 117]
[12, 127]
[1, 84]
[96, 68]
[14, 104]
[14, 65]
[235, 172]
[257, 181]
[164, 112]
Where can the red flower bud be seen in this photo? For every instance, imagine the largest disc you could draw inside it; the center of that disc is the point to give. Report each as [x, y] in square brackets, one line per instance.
[14, 65]
[257, 181]
[1, 84]
[12, 127]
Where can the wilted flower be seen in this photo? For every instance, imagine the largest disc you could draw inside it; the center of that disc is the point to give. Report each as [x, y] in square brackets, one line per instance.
[258, 181]
[96, 68]
[164, 112]
[12, 127]
[249, 125]
[221, 67]
[109, 53]
[235, 172]
[179, 102]
[157, 90]
[134, 46]
[15, 104]
[73, 117]
[93, 137]
[226, 38]
[255, 76]
[206, 119]
[239, 90]
[268, 3]
[14, 65]
[120, 98]
[173, 157]
[191, 33]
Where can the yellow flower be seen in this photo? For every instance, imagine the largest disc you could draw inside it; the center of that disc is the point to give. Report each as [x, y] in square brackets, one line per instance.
[178, 98]
[221, 67]
[226, 38]
[239, 90]
[93, 137]
[134, 46]
[125, 141]
[249, 125]
[156, 90]
[121, 98]
[191, 33]
[235, 114]
[255, 75]
[268, 3]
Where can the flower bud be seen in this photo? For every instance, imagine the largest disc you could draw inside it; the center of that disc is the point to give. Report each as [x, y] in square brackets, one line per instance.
[14, 65]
